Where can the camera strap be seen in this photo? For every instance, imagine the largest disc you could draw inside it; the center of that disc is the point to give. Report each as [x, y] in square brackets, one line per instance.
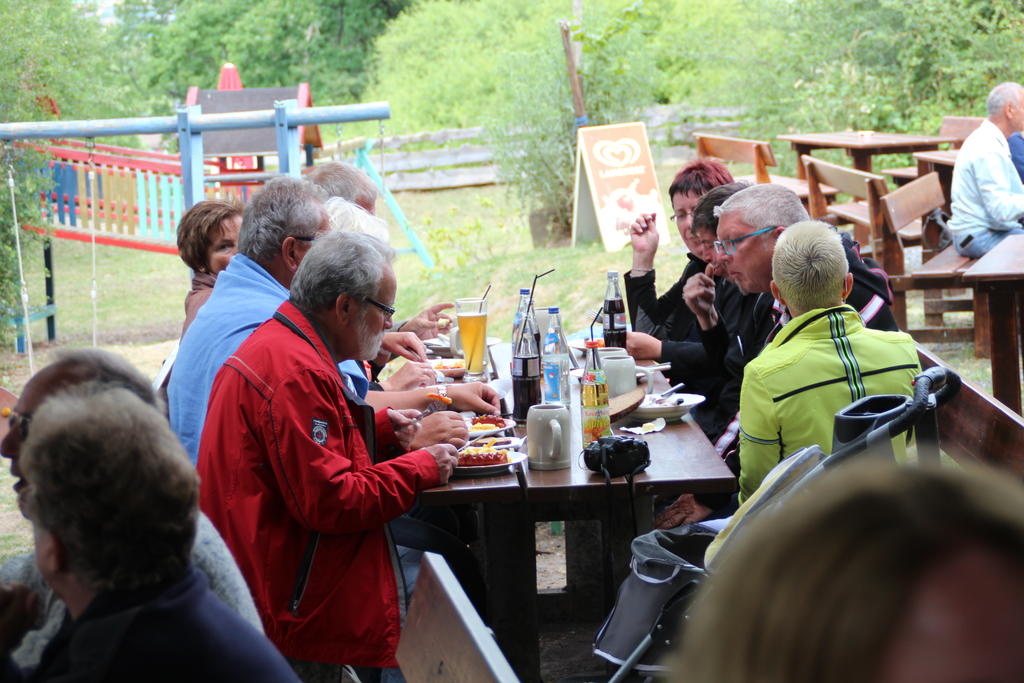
[606, 530]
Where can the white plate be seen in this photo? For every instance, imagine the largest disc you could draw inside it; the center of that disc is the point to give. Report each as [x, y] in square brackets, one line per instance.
[454, 373]
[488, 432]
[490, 470]
[671, 411]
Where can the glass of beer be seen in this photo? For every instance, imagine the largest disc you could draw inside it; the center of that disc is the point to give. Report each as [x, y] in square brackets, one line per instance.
[472, 321]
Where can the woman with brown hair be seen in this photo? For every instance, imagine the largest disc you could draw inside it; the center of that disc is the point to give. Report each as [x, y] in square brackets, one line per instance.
[207, 238]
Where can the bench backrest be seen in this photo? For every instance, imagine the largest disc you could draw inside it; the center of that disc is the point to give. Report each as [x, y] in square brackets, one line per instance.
[444, 638]
[757, 153]
[975, 426]
[859, 184]
[959, 127]
[903, 206]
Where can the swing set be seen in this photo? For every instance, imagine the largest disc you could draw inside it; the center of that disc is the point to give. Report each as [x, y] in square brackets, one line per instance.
[130, 198]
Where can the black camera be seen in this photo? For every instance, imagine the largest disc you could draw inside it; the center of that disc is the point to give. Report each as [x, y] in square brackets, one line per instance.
[616, 456]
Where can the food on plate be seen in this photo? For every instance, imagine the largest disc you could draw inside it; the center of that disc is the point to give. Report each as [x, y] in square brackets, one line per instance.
[482, 455]
[450, 364]
[492, 420]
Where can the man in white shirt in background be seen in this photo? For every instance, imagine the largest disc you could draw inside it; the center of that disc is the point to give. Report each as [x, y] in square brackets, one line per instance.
[987, 193]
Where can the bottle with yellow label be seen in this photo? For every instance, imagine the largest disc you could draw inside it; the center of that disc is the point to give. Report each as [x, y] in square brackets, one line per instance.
[595, 414]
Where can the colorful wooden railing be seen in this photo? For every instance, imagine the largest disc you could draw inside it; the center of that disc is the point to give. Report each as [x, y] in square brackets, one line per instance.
[135, 199]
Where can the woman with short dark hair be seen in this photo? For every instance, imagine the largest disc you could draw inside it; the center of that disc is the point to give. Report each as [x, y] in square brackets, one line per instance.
[207, 239]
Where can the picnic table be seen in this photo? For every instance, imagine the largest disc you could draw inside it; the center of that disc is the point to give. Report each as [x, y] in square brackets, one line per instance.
[942, 162]
[862, 145]
[1000, 273]
[682, 461]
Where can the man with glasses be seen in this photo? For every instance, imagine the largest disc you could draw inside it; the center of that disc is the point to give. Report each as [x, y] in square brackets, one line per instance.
[289, 468]
[278, 227]
[749, 224]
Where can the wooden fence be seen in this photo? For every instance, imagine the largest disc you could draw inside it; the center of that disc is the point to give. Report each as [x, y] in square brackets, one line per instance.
[458, 157]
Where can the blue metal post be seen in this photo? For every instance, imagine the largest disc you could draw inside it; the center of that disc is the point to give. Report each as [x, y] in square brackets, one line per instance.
[287, 134]
[363, 162]
[190, 144]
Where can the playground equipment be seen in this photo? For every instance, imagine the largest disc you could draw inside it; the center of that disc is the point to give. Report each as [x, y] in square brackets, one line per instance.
[190, 123]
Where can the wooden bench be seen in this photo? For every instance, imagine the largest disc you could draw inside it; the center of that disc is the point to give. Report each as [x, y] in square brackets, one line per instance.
[939, 269]
[864, 212]
[757, 153]
[958, 127]
[444, 638]
[975, 426]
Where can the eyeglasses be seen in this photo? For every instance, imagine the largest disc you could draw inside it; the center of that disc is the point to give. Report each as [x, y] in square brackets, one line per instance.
[16, 420]
[389, 311]
[304, 239]
[729, 246]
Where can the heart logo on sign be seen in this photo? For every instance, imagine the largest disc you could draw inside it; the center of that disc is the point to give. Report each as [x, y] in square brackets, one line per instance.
[617, 153]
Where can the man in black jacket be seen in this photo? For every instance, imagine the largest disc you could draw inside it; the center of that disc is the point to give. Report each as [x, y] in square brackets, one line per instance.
[749, 223]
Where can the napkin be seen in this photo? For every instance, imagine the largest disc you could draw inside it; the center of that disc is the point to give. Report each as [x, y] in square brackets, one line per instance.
[647, 427]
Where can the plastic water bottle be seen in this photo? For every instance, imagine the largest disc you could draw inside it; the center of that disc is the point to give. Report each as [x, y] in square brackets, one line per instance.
[556, 361]
[596, 415]
[517, 319]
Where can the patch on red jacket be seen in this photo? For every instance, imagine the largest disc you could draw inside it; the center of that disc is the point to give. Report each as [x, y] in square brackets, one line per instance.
[319, 431]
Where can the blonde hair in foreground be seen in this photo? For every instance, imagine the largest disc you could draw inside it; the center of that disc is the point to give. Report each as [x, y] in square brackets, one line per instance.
[813, 592]
[809, 266]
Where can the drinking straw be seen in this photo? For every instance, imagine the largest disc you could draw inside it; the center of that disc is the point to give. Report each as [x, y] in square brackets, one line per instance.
[594, 321]
[529, 305]
[480, 308]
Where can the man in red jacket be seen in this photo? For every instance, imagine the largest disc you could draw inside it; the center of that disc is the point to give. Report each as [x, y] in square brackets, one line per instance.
[287, 470]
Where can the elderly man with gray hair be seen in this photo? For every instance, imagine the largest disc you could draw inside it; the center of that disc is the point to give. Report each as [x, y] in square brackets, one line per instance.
[113, 505]
[823, 359]
[987, 193]
[96, 370]
[278, 227]
[289, 467]
[344, 182]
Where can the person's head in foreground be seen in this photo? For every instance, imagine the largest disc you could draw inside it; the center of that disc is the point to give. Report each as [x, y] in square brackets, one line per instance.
[343, 180]
[875, 572]
[71, 368]
[347, 286]
[809, 268]
[208, 235]
[749, 223]
[279, 225]
[344, 215]
[113, 498]
[1005, 107]
[692, 182]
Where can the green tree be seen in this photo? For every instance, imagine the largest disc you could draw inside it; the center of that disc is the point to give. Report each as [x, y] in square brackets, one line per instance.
[324, 42]
[55, 56]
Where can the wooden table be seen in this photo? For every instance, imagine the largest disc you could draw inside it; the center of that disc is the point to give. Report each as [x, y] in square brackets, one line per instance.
[1000, 273]
[940, 161]
[861, 146]
[682, 461]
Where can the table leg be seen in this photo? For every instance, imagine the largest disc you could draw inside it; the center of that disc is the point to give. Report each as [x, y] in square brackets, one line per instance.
[801, 150]
[1003, 322]
[861, 160]
[512, 585]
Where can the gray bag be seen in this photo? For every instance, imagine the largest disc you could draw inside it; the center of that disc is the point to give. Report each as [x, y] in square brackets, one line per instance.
[665, 570]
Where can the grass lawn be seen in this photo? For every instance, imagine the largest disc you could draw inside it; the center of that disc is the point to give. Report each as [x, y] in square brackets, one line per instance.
[478, 236]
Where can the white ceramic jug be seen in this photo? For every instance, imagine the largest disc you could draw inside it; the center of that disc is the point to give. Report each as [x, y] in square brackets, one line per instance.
[549, 434]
